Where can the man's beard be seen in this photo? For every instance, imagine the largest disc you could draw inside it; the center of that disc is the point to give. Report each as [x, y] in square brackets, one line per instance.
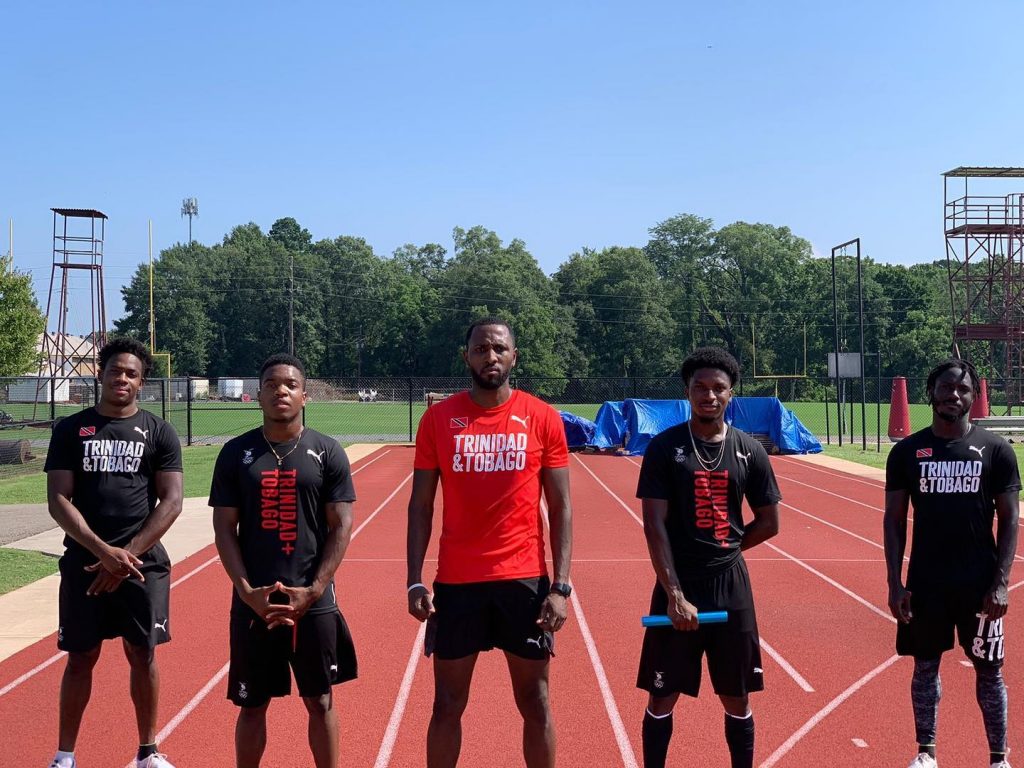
[483, 383]
[950, 417]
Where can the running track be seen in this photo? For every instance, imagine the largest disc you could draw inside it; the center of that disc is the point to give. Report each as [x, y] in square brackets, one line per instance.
[835, 692]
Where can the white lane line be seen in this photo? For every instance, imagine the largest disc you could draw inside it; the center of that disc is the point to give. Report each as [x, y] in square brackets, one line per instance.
[797, 677]
[830, 493]
[610, 706]
[848, 592]
[859, 743]
[609, 490]
[387, 746]
[806, 728]
[375, 458]
[185, 711]
[58, 656]
[382, 505]
[621, 738]
[880, 484]
[832, 525]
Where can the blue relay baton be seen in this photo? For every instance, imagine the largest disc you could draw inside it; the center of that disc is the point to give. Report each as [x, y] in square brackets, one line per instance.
[704, 617]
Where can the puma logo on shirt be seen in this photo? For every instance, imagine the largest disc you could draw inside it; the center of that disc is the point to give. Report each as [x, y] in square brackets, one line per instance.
[521, 420]
[318, 456]
[143, 432]
[976, 449]
[160, 625]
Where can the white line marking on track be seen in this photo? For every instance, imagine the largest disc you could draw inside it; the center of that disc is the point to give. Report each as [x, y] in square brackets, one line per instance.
[610, 491]
[879, 484]
[797, 677]
[621, 738]
[806, 728]
[387, 746]
[375, 458]
[58, 656]
[859, 743]
[382, 505]
[830, 493]
[185, 711]
[850, 593]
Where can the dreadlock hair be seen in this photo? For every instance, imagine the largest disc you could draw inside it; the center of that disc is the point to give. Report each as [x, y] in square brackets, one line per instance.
[125, 345]
[489, 320]
[282, 358]
[710, 357]
[949, 363]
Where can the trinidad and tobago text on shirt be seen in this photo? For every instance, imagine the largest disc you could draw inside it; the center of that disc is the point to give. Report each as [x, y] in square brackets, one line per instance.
[711, 502]
[490, 453]
[949, 476]
[279, 505]
[112, 455]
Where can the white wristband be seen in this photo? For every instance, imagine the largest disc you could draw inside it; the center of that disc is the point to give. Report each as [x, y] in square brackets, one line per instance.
[417, 584]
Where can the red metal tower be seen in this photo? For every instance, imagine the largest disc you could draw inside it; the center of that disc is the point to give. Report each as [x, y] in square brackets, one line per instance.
[985, 263]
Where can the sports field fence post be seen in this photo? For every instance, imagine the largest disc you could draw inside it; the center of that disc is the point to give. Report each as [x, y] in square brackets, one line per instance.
[188, 410]
[409, 382]
[53, 398]
[878, 405]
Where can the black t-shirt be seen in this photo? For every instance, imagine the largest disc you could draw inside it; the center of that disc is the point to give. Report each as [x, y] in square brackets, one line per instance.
[705, 518]
[282, 525]
[952, 486]
[114, 462]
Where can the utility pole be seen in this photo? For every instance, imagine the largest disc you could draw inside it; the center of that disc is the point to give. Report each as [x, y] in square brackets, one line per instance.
[152, 315]
[291, 303]
[190, 208]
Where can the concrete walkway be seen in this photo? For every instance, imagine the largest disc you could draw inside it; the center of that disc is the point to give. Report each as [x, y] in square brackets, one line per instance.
[30, 613]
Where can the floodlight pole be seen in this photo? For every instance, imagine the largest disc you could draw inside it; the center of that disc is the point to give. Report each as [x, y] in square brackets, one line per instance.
[291, 302]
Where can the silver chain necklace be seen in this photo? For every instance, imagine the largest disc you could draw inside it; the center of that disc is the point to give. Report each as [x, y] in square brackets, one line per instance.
[709, 465]
[278, 456]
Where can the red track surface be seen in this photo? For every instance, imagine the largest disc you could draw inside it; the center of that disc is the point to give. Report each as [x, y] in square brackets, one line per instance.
[820, 590]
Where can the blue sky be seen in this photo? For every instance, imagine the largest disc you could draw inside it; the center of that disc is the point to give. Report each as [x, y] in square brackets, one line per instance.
[563, 124]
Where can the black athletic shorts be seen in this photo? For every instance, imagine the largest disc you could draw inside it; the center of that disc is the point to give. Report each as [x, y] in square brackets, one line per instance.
[137, 610]
[936, 612]
[489, 614]
[318, 650]
[670, 661]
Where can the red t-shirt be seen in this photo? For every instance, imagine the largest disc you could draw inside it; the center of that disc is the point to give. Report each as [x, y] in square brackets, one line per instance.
[490, 461]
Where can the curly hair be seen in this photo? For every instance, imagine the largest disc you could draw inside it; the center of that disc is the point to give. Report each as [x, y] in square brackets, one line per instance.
[282, 358]
[125, 345]
[948, 364]
[710, 357]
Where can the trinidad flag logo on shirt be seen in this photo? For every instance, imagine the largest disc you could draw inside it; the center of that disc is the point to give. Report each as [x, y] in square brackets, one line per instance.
[86, 431]
[924, 453]
[458, 422]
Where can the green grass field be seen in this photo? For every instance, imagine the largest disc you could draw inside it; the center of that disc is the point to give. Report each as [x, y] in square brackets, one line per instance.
[18, 568]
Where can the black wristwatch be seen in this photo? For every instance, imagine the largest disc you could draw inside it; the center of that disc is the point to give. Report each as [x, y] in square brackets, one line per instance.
[561, 588]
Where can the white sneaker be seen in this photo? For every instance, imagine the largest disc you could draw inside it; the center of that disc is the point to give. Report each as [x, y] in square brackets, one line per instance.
[156, 760]
[924, 760]
[67, 762]
[1001, 764]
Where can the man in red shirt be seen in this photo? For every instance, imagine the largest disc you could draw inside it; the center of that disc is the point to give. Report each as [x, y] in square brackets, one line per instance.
[494, 449]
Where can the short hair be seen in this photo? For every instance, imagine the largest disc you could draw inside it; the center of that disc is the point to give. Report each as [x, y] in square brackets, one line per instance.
[489, 320]
[948, 364]
[282, 358]
[125, 345]
[710, 357]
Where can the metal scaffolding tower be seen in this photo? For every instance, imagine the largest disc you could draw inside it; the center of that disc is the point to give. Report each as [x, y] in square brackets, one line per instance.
[985, 263]
[77, 246]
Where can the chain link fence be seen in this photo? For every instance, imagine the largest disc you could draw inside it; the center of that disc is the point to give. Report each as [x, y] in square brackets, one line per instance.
[388, 409]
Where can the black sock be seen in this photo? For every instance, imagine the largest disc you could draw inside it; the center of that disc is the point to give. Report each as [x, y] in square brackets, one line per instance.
[145, 750]
[739, 735]
[657, 733]
[926, 749]
[996, 757]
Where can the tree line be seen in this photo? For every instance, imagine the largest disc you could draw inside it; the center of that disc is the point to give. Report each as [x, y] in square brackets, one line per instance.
[756, 289]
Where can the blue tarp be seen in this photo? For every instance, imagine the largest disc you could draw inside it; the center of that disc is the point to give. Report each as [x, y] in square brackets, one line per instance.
[579, 432]
[634, 422]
